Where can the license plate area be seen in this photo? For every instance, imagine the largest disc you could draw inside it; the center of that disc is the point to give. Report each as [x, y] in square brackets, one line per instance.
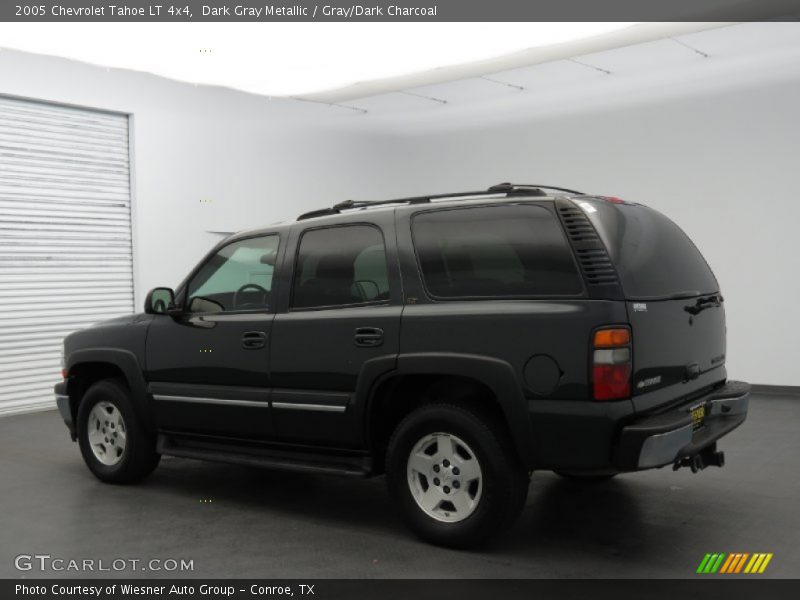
[698, 414]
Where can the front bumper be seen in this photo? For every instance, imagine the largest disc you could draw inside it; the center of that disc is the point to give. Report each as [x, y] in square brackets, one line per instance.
[62, 402]
[665, 438]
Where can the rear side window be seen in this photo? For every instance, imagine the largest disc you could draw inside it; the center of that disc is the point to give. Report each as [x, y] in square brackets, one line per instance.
[340, 266]
[494, 252]
[655, 259]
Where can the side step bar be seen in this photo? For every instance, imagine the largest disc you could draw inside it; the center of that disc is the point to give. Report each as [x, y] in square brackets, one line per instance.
[264, 456]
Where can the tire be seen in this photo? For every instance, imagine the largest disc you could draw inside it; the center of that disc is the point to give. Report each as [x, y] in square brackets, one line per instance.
[585, 477]
[489, 488]
[113, 443]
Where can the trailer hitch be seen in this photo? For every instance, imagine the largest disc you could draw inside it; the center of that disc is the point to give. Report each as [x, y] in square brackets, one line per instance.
[707, 457]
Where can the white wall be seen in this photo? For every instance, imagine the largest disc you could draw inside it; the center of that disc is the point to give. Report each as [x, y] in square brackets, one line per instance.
[257, 160]
[716, 147]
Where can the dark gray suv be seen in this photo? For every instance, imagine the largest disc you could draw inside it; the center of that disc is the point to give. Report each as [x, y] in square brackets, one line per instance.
[456, 343]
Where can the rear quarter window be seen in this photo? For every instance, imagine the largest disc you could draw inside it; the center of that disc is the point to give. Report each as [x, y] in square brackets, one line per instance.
[494, 252]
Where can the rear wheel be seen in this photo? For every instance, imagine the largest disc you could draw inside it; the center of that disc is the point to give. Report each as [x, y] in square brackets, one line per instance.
[113, 444]
[453, 475]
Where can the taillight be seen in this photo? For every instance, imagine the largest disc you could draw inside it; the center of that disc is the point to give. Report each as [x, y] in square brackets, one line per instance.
[611, 364]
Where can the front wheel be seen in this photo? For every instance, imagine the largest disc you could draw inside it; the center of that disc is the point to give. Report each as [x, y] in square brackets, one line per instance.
[453, 475]
[114, 445]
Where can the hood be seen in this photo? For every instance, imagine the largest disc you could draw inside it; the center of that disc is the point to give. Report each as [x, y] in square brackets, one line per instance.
[122, 320]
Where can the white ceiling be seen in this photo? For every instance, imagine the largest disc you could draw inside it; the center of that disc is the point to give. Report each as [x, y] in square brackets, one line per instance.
[676, 64]
[653, 60]
[289, 59]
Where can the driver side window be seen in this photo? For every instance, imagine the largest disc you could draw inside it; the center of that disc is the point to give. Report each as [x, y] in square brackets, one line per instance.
[238, 277]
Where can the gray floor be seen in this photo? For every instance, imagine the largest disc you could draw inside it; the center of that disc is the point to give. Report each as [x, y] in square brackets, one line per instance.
[269, 524]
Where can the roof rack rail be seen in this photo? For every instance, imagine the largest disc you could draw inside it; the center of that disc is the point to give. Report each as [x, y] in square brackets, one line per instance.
[501, 188]
[523, 188]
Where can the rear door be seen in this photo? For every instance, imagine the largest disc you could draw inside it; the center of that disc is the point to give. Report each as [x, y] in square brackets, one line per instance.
[673, 299]
[341, 319]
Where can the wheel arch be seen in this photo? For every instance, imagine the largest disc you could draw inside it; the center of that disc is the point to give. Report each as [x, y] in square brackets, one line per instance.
[87, 366]
[485, 382]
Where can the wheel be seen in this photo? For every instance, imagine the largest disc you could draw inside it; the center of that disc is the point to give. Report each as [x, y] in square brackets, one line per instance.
[585, 477]
[113, 444]
[454, 476]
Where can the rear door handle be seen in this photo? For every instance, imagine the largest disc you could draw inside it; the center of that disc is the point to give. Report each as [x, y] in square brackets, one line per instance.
[368, 337]
[253, 340]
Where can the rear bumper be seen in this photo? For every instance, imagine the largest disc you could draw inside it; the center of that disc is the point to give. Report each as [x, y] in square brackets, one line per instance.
[62, 402]
[665, 438]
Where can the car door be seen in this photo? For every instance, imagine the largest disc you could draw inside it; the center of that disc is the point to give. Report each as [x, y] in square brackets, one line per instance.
[208, 366]
[340, 328]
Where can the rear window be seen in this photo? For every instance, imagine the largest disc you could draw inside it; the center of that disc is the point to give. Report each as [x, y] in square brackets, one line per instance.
[498, 251]
[654, 257]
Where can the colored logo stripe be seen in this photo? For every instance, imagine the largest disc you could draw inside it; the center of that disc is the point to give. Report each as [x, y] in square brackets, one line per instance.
[735, 562]
[758, 563]
[711, 563]
[727, 564]
[703, 564]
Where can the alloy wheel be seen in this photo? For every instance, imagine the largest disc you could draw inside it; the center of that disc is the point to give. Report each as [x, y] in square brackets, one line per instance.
[107, 434]
[444, 477]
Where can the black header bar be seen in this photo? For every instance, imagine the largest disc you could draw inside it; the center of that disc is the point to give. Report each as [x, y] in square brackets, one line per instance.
[394, 589]
[398, 10]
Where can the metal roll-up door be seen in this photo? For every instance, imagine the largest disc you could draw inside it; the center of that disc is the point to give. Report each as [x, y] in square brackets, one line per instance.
[65, 238]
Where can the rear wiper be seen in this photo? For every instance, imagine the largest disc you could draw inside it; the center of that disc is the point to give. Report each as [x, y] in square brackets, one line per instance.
[704, 303]
[682, 295]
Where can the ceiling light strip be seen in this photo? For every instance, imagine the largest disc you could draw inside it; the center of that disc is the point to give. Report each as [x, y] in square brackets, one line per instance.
[692, 48]
[431, 98]
[588, 66]
[336, 104]
[505, 83]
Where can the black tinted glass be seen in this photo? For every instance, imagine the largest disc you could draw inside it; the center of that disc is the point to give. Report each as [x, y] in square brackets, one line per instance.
[339, 266]
[653, 256]
[501, 251]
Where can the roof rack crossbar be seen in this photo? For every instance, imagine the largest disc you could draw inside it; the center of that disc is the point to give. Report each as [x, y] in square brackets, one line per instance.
[501, 188]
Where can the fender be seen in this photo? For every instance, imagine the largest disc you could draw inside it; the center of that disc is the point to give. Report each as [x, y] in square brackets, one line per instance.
[126, 362]
[497, 375]
[373, 373]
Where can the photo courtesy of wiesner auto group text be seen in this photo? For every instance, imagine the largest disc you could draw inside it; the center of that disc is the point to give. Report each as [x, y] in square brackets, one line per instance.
[408, 299]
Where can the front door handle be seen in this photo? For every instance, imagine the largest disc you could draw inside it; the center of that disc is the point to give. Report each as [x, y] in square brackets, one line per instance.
[253, 340]
[368, 337]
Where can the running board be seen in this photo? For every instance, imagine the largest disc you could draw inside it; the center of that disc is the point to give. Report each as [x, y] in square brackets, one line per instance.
[264, 456]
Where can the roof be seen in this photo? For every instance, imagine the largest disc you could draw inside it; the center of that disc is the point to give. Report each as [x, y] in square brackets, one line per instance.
[499, 191]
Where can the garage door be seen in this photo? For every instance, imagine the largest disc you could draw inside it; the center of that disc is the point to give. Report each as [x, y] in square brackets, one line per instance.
[65, 238]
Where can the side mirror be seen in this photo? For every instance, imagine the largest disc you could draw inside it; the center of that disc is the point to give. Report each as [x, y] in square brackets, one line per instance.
[159, 301]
